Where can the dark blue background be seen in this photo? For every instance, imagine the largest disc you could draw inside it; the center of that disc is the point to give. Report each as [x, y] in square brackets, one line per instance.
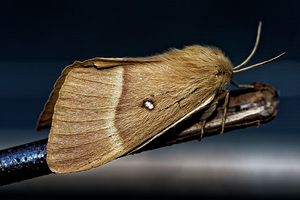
[39, 38]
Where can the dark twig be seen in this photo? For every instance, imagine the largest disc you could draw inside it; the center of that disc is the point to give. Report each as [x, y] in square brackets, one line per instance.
[23, 162]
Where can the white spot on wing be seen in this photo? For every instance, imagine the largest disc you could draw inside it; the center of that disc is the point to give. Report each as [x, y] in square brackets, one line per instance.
[149, 105]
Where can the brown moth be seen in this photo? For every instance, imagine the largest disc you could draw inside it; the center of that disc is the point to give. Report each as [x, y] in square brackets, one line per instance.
[103, 108]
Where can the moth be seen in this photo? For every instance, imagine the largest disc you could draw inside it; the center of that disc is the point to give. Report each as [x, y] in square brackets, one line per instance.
[103, 108]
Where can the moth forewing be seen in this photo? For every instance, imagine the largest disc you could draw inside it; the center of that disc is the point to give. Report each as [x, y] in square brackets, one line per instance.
[105, 112]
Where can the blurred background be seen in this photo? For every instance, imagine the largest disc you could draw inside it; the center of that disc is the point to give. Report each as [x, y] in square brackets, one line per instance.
[39, 38]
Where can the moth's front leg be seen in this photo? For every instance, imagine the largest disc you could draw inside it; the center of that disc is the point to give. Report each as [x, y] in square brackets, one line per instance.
[209, 111]
[241, 86]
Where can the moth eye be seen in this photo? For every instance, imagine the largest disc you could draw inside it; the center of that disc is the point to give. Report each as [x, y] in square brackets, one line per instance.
[220, 72]
[149, 105]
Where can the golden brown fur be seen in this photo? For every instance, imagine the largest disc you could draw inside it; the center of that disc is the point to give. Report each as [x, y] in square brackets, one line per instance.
[82, 104]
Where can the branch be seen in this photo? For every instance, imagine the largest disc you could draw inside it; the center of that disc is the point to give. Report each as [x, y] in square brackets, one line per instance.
[250, 107]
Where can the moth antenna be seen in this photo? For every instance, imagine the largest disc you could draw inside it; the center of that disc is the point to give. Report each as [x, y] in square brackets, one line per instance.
[254, 49]
[260, 64]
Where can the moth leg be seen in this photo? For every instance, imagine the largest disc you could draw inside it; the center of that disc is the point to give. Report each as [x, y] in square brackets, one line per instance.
[207, 113]
[226, 100]
[241, 86]
[224, 95]
[202, 130]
